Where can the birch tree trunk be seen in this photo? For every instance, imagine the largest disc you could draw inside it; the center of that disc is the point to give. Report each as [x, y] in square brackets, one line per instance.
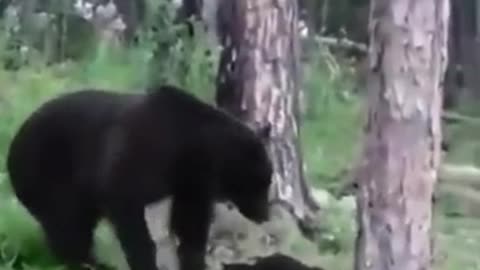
[258, 82]
[408, 58]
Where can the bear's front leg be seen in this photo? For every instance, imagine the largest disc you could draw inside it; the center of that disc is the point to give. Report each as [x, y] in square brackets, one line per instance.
[190, 221]
[132, 231]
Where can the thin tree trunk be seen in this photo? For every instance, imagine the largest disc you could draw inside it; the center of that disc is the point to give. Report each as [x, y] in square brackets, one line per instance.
[258, 82]
[4, 4]
[453, 86]
[325, 8]
[402, 153]
[468, 50]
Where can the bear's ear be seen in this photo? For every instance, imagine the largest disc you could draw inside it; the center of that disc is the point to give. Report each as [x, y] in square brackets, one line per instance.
[263, 131]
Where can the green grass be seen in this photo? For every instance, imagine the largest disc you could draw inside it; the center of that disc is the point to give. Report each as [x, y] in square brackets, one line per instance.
[333, 120]
[465, 143]
[458, 244]
[330, 142]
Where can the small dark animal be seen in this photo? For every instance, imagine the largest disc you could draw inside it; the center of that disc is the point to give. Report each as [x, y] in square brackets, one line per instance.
[276, 261]
[92, 154]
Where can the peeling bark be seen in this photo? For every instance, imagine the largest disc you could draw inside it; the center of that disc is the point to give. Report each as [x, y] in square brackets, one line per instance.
[258, 82]
[396, 180]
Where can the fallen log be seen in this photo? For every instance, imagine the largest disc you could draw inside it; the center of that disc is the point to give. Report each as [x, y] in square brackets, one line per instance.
[454, 117]
[460, 175]
[342, 43]
[466, 201]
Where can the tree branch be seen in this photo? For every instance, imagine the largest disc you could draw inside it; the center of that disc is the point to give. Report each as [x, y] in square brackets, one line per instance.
[342, 43]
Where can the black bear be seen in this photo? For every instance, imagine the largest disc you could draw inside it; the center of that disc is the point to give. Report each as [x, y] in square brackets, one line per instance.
[275, 261]
[94, 153]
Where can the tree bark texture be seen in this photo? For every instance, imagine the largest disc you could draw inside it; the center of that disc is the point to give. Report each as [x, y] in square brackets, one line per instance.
[258, 83]
[408, 58]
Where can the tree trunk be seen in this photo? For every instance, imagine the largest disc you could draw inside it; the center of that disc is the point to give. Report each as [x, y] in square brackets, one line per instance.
[467, 48]
[408, 57]
[4, 4]
[258, 82]
[454, 74]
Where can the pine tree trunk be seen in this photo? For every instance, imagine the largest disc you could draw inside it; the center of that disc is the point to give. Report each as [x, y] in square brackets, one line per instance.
[408, 57]
[258, 82]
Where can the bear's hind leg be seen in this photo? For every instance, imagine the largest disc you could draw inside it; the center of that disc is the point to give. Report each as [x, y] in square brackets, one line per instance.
[70, 235]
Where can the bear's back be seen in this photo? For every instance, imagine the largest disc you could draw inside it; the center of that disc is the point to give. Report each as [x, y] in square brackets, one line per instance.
[60, 131]
[187, 118]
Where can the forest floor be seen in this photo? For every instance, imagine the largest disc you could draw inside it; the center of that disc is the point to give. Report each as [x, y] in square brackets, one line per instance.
[458, 244]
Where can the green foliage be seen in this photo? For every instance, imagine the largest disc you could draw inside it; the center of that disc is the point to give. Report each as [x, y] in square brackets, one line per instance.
[47, 37]
[465, 148]
[20, 239]
[178, 59]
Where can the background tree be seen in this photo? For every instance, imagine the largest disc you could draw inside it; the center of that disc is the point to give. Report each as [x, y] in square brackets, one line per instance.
[462, 79]
[408, 58]
[258, 81]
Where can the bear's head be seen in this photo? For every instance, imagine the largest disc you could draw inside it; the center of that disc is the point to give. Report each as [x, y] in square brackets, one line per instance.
[249, 175]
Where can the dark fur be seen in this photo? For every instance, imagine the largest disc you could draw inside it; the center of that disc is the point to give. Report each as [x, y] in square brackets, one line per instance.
[276, 261]
[92, 153]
